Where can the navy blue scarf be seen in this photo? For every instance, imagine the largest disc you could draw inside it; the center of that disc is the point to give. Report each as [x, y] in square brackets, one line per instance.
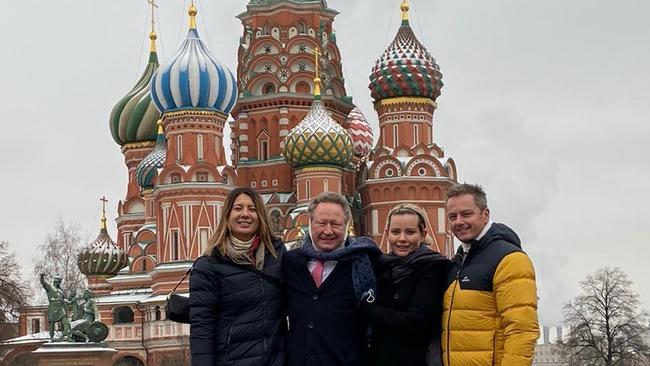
[357, 251]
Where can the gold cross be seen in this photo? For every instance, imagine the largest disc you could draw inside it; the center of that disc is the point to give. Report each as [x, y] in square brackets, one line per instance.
[104, 200]
[153, 7]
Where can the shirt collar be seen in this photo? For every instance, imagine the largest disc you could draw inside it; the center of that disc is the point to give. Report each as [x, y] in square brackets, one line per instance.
[467, 246]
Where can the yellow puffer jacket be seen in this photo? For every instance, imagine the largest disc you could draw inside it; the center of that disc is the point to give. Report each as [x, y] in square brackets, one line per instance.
[490, 307]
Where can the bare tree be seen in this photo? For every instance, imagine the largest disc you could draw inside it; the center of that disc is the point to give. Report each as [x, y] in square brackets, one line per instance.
[14, 292]
[607, 328]
[58, 257]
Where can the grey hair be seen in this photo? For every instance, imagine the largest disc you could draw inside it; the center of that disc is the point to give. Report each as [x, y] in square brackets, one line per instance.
[331, 197]
[480, 198]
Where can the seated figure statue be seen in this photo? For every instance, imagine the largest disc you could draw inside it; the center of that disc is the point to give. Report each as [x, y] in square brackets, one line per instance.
[89, 328]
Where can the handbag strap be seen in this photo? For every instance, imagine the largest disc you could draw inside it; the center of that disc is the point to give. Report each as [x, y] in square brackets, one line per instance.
[179, 282]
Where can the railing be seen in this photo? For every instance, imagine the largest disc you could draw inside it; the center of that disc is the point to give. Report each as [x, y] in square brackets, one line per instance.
[164, 328]
[125, 332]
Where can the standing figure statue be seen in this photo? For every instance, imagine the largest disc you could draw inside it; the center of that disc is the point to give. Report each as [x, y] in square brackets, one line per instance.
[89, 328]
[76, 305]
[56, 311]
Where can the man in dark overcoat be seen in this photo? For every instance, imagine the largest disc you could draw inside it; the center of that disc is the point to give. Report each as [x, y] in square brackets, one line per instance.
[326, 278]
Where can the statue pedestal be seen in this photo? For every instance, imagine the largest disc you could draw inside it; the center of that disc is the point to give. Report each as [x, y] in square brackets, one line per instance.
[74, 354]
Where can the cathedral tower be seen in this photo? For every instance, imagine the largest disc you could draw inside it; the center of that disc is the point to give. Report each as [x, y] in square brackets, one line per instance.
[185, 179]
[275, 75]
[133, 126]
[406, 165]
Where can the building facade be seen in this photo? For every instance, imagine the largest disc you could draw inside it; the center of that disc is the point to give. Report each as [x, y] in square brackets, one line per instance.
[295, 132]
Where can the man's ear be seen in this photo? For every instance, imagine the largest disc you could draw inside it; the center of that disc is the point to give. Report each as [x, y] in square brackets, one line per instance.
[486, 212]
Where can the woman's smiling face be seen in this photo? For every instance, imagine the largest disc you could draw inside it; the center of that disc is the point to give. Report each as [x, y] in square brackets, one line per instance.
[404, 234]
[243, 221]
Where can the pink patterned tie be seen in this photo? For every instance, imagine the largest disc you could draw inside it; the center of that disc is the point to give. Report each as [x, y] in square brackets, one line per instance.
[317, 273]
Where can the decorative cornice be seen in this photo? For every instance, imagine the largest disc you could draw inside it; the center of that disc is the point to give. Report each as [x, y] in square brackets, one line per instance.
[194, 112]
[191, 188]
[138, 145]
[402, 100]
[289, 100]
[319, 169]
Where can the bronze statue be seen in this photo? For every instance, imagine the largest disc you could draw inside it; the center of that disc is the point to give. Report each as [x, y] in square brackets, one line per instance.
[89, 328]
[76, 305]
[56, 311]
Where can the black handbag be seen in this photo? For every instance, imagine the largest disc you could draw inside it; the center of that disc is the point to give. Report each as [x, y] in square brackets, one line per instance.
[178, 306]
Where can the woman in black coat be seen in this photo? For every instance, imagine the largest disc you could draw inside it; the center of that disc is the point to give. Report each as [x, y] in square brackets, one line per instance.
[404, 318]
[237, 315]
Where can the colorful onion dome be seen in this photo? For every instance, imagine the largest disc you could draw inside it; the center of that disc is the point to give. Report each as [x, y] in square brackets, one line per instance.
[133, 119]
[193, 78]
[361, 133]
[318, 140]
[406, 69]
[102, 256]
[147, 169]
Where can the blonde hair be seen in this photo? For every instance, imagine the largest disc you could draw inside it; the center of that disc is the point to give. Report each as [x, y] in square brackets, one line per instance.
[221, 237]
[423, 223]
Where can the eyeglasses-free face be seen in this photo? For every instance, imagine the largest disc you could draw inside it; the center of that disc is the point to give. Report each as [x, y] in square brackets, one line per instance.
[243, 220]
[328, 226]
[404, 234]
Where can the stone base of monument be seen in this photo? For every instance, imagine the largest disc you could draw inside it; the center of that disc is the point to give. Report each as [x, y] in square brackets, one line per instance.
[74, 354]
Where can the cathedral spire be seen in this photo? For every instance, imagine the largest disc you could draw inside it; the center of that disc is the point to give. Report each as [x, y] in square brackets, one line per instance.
[405, 11]
[192, 13]
[152, 35]
[317, 80]
[103, 219]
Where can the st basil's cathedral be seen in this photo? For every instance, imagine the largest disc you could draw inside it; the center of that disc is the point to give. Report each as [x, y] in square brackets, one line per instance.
[294, 133]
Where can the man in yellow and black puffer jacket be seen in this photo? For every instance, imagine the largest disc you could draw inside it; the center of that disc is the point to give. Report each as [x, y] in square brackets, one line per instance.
[490, 307]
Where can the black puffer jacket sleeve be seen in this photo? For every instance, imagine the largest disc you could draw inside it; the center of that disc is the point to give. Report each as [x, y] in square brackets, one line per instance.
[204, 311]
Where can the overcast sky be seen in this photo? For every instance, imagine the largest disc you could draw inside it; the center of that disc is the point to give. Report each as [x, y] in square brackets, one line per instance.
[545, 103]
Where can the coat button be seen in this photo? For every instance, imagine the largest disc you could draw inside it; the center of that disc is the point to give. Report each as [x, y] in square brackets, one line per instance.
[310, 325]
[396, 296]
[315, 297]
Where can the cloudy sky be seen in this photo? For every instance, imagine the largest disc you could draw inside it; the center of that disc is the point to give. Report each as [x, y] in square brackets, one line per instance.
[545, 103]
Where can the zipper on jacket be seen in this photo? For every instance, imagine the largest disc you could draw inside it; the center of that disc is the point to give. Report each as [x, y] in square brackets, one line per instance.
[264, 311]
[451, 306]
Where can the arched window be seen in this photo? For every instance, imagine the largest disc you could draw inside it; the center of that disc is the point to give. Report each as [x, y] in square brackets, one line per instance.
[303, 87]
[128, 361]
[395, 136]
[264, 150]
[416, 133]
[158, 314]
[122, 314]
[175, 244]
[268, 88]
[199, 146]
[179, 147]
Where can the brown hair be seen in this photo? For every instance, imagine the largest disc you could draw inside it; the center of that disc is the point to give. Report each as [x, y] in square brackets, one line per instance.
[221, 236]
[480, 198]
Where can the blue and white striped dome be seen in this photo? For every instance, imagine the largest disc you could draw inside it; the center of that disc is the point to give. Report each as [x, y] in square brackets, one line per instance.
[193, 79]
[147, 169]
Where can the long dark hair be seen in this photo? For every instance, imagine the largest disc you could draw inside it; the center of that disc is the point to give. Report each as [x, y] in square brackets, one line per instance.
[221, 236]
